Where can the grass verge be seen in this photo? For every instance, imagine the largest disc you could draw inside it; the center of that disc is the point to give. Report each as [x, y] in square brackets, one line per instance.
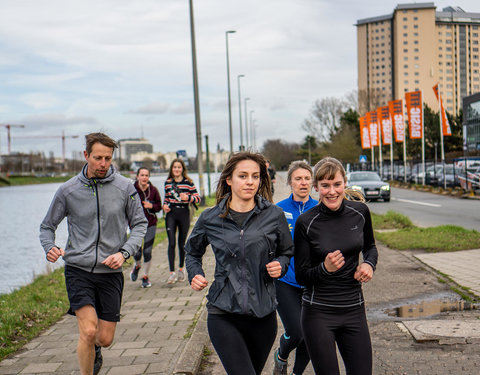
[31, 309]
[32, 180]
[443, 238]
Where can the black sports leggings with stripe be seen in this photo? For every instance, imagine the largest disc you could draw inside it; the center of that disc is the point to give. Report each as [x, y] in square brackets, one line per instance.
[177, 218]
[242, 342]
[346, 327]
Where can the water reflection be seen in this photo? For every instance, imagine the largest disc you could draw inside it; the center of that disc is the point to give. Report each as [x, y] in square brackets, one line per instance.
[428, 308]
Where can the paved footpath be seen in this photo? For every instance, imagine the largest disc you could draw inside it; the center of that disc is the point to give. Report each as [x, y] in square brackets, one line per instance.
[157, 333]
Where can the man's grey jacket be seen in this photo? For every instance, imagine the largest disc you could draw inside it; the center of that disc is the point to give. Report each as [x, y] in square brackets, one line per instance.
[98, 212]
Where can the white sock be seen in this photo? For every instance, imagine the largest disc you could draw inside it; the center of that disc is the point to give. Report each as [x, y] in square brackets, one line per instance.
[146, 267]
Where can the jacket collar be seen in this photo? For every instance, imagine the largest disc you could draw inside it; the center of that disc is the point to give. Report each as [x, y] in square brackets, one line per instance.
[260, 203]
[329, 212]
[299, 204]
[108, 177]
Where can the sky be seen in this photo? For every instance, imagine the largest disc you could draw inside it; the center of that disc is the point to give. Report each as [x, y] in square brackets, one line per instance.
[125, 68]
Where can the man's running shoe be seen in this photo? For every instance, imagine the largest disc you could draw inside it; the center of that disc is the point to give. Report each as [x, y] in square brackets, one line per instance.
[97, 365]
[172, 278]
[181, 275]
[145, 282]
[279, 366]
[134, 273]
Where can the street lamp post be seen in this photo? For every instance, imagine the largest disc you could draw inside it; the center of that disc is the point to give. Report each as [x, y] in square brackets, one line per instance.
[229, 95]
[197, 105]
[241, 148]
[251, 129]
[246, 122]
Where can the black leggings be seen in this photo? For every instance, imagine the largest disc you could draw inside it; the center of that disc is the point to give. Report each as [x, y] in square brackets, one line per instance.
[177, 218]
[348, 328]
[242, 342]
[290, 309]
[148, 241]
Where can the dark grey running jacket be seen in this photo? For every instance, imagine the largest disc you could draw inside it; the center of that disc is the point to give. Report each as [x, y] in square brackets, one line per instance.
[242, 284]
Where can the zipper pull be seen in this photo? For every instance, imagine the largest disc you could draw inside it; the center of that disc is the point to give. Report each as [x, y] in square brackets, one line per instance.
[241, 234]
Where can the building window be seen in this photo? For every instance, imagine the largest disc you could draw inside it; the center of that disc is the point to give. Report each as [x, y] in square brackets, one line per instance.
[440, 56]
[405, 58]
[415, 26]
[405, 42]
[405, 26]
[448, 41]
[405, 74]
[405, 66]
[475, 49]
[416, 66]
[415, 18]
[416, 57]
[448, 33]
[474, 41]
[415, 42]
[405, 82]
[449, 49]
[416, 49]
[405, 50]
[449, 56]
[475, 57]
[475, 35]
[405, 18]
[417, 73]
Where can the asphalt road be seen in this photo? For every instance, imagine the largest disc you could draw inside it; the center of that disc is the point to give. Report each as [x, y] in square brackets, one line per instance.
[428, 209]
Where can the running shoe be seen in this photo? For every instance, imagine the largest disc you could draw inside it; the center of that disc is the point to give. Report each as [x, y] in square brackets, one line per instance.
[181, 275]
[97, 365]
[145, 282]
[134, 273]
[279, 366]
[172, 278]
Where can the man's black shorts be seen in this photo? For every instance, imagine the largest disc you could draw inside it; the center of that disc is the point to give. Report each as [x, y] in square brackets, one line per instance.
[101, 290]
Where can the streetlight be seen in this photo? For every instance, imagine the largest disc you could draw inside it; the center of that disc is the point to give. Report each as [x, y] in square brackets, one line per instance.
[229, 97]
[240, 110]
[246, 122]
[197, 105]
[251, 129]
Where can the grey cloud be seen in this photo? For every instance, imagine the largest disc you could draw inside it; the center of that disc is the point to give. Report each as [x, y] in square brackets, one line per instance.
[152, 108]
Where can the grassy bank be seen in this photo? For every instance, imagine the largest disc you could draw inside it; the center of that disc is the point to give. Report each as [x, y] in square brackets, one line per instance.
[433, 239]
[32, 180]
[26, 312]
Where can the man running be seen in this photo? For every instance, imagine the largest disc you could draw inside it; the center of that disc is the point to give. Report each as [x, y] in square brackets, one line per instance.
[99, 204]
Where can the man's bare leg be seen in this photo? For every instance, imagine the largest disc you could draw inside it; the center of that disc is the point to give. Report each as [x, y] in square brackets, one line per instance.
[87, 326]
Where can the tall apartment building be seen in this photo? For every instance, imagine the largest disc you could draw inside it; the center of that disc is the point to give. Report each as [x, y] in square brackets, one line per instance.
[414, 48]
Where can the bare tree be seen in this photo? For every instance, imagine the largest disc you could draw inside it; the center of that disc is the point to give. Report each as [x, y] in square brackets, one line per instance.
[370, 99]
[324, 119]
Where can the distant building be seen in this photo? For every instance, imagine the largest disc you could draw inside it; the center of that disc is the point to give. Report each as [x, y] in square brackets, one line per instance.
[471, 123]
[130, 146]
[414, 48]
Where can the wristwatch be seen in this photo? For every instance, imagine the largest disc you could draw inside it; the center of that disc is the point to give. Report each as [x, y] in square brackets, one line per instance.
[125, 254]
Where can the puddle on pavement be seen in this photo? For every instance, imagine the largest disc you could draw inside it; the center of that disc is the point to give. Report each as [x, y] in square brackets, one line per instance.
[428, 308]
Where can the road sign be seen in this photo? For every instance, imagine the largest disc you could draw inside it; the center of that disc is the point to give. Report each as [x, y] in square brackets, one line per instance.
[363, 158]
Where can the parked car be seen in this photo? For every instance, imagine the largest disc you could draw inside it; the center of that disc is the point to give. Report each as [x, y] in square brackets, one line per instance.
[370, 184]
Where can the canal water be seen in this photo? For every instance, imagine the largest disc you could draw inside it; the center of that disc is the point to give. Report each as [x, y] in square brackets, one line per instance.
[22, 209]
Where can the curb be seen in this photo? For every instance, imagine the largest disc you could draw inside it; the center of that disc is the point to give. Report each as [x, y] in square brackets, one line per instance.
[193, 351]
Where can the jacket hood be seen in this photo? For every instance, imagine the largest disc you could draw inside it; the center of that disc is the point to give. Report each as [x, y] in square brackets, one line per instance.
[108, 177]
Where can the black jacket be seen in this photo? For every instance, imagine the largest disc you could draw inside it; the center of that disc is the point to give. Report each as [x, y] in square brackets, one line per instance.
[242, 284]
[320, 231]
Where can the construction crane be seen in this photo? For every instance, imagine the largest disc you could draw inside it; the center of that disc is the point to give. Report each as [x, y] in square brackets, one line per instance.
[63, 136]
[8, 126]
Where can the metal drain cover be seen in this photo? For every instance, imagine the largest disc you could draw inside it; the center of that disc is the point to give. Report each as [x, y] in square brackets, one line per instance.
[443, 330]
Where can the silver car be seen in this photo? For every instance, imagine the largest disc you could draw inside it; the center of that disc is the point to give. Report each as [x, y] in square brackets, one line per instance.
[370, 184]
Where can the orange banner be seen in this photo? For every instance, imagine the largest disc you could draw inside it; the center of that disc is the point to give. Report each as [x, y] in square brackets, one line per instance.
[415, 113]
[373, 127]
[364, 133]
[383, 116]
[396, 117]
[446, 130]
